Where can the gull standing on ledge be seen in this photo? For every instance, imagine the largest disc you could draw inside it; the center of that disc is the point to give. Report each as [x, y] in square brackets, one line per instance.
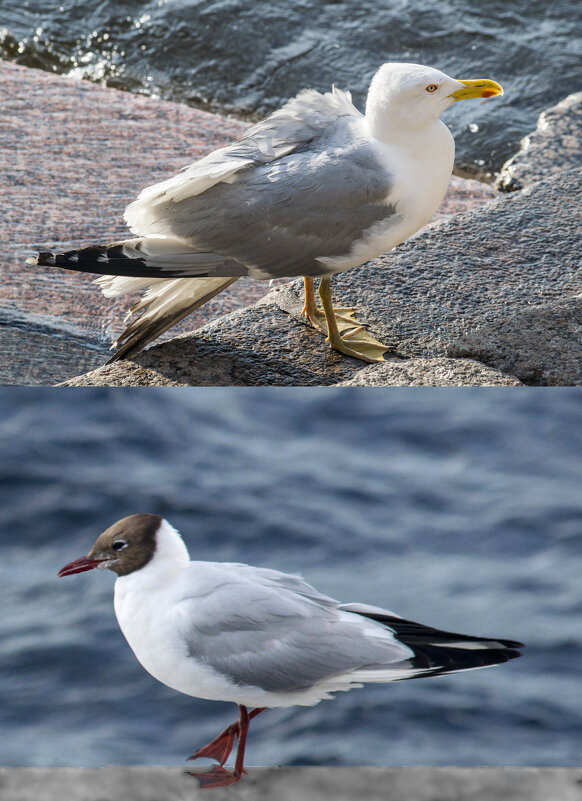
[258, 637]
[313, 190]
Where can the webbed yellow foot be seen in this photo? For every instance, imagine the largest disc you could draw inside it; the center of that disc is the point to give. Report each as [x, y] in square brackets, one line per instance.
[360, 344]
[346, 334]
[344, 318]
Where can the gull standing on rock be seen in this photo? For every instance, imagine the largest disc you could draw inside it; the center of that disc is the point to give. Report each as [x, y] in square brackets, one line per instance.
[258, 637]
[313, 190]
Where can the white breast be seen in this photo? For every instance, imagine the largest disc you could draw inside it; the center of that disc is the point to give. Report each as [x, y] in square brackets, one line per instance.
[422, 169]
[152, 626]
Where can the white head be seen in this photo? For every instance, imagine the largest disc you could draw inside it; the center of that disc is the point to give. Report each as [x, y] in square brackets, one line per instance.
[404, 97]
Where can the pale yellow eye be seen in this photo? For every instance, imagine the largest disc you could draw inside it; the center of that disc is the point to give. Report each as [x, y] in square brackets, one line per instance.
[432, 87]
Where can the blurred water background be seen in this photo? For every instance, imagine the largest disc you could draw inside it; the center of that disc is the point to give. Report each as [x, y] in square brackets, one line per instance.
[459, 508]
[246, 58]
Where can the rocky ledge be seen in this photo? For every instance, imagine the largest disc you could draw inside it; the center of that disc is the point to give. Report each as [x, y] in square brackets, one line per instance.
[554, 146]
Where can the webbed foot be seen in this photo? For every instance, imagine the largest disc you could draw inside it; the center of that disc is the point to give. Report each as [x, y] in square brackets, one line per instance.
[217, 776]
[344, 332]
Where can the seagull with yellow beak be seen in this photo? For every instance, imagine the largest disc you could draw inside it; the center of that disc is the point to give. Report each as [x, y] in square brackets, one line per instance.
[315, 189]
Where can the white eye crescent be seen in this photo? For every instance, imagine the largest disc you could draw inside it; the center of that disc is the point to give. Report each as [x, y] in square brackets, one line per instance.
[432, 87]
[119, 545]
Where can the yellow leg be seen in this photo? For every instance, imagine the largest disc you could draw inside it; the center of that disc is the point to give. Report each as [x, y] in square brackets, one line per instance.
[310, 309]
[357, 342]
[344, 316]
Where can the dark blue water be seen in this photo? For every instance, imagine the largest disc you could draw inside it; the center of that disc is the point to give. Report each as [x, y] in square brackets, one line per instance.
[458, 508]
[246, 58]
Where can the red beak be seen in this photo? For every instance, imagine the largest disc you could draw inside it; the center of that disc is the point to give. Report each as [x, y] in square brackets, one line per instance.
[79, 566]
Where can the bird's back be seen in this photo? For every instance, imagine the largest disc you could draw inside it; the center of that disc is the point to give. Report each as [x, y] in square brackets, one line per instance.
[276, 217]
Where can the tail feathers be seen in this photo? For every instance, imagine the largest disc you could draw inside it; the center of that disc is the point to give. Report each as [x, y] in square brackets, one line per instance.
[123, 258]
[165, 303]
[438, 652]
[440, 659]
[177, 279]
[115, 286]
[149, 257]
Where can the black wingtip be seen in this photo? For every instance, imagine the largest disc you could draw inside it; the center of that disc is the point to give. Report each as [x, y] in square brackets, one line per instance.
[440, 652]
[45, 258]
[100, 259]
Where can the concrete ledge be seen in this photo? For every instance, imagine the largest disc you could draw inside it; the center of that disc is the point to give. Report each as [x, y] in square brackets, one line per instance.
[284, 784]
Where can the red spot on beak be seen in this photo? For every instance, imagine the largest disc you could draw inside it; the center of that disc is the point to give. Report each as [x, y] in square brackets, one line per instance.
[79, 566]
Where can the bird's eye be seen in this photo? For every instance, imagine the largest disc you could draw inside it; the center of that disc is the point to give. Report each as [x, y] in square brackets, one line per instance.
[432, 87]
[119, 545]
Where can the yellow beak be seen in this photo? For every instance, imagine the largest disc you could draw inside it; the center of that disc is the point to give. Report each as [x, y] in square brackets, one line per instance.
[479, 88]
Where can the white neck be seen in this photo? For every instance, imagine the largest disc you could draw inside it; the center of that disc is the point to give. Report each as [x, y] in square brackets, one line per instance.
[170, 557]
[392, 124]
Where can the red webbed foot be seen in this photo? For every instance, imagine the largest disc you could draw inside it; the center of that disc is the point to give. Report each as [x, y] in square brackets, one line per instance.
[217, 777]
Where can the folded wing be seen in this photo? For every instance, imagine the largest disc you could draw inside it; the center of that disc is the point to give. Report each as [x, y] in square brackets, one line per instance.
[290, 637]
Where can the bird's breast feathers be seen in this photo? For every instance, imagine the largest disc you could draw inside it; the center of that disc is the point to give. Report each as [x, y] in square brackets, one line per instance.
[420, 174]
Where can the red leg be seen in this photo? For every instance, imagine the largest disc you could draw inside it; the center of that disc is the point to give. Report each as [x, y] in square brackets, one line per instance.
[239, 763]
[220, 749]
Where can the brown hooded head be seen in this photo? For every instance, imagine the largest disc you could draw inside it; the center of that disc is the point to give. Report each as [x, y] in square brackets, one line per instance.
[124, 547]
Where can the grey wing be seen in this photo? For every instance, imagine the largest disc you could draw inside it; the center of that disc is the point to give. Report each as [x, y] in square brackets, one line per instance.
[276, 216]
[280, 218]
[300, 121]
[280, 635]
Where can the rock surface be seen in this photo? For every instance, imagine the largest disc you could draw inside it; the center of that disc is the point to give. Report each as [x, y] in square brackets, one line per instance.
[499, 284]
[555, 146]
[287, 784]
[257, 346]
[72, 156]
[430, 373]
[539, 345]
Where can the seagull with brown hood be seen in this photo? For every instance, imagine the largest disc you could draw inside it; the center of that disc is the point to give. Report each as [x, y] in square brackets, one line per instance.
[259, 637]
